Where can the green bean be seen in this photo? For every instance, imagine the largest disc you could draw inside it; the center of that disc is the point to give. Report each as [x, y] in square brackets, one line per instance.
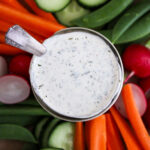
[30, 146]
[19, 120]
[133, 14]
[39, 127]
[107, 33]
[50, 126]
[138, 30]
[103, 15]
[23, 110]
[15, 132]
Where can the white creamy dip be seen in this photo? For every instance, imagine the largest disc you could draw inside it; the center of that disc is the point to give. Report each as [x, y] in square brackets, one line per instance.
[78, 76]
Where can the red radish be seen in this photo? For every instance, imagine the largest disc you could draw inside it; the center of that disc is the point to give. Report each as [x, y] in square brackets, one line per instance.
[140, 100]
[19, 65]
[146, 117]
[136, 58]
[3, 66]
[13, 89]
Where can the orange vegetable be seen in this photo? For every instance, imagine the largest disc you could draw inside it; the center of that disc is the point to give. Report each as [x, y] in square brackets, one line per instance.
[114, 141]
[15, 4]
[29, 21]
[4, 26]
[125, 130]
[97, 133]
[2, 38]
[40, 12]
[79, 143]
[9, 50]
[134, 116]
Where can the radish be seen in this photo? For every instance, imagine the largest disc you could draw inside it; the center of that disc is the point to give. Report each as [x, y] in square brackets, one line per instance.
[146, 117]
[136, 58]
[13, 89]
[19, 65]
[3, 66]
[139, 98]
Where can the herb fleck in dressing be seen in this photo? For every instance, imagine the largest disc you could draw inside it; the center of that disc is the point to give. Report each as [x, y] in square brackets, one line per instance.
[78, 76]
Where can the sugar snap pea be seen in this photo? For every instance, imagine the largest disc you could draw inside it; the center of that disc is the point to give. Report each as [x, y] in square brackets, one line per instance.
[45, 137]
[138, 30]
[23, 110]
[16, 132]
[103, 15]
[129, 17]
[19, 120]
[39, 127]
[30, 101]
[107, 33]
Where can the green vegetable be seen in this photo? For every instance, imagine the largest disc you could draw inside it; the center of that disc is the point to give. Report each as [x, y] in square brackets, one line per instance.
[45, 137]
[23, 110]
[71, 12]
[107, 33]
[30, 101]
[128, 18]
[62, 136]
[15, 132]
[51, 149]
[19, 120]
[138, 30]
[103, 15]
[30, 146]
[40, 126]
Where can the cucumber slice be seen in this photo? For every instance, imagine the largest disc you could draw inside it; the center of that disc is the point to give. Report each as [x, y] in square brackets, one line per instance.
[91, 3]
[62, 136]
[46, 133]
[52, 5]
[71, 12]
[40, 126]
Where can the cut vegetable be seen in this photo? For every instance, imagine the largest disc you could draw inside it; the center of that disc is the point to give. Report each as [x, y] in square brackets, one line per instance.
[51, 149]
[3, 66]
[91, 3]
[39, 127]
[52, 5]
[103, 15]
[125, 130]
[15, 132]
[13, 89]
[47, 132]
[71, 12]
[62, 136]
[114, 141]
[39, 12]
[2, 37]
[140, 100]
[134, 116]
[96, 135]
[79, 141]
[19, 65]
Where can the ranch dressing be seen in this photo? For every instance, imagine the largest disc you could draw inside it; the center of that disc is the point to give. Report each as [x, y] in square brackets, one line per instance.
[77, 76]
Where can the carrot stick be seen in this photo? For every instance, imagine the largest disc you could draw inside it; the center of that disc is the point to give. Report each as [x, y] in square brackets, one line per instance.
[134, 117]
[4, 26]
[40, 12]
[79, 143]
[29, 21]
[2, 38]
[15, 4]
[125, 130]
[97, 133]
[9, 50]
[114, 141]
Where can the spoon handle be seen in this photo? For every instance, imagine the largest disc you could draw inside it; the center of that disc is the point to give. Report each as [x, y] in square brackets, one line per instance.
[18, 37]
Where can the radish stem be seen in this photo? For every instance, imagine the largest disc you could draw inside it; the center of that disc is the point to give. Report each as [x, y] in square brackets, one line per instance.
[128, 77]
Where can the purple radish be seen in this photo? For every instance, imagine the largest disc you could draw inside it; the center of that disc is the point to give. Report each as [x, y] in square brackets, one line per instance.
[140, 100]
[13, 89]
[3, 66]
